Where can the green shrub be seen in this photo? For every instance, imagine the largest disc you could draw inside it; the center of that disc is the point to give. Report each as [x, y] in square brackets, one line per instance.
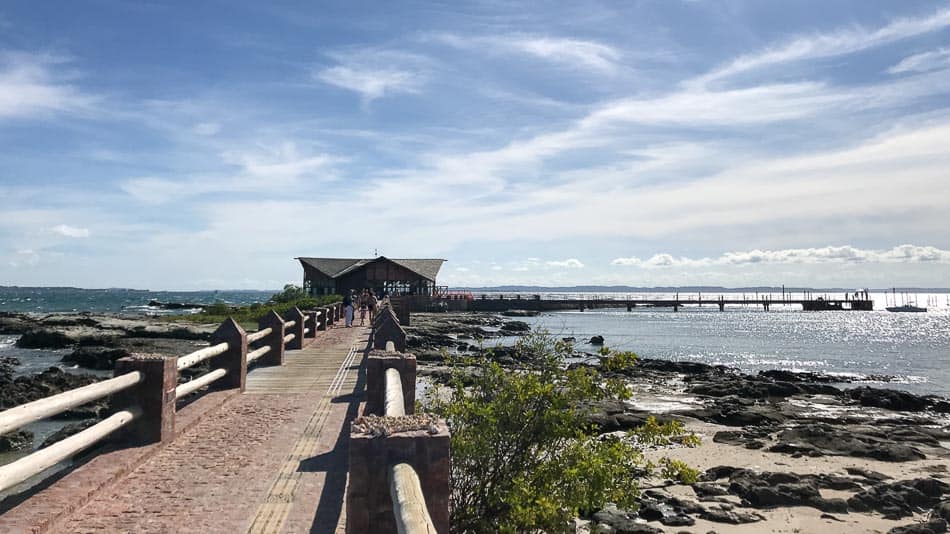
[523, 456]
[679, 471]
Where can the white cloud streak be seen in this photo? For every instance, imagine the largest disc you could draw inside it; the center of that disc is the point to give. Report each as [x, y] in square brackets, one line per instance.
[32, 85]
[570, 263]
[821, 255]
[575, 53]
[373, 74]
[66, 230]
[841, 42]
[923, 62]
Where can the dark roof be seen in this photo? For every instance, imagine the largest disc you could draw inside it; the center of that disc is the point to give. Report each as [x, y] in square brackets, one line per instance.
[335, 267]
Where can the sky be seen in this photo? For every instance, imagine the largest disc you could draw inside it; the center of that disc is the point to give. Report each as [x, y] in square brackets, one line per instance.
[205, 145]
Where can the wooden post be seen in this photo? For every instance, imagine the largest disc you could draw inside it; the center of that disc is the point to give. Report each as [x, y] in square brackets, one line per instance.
[313, 319]
[324, 318]
[275, 340]
[297, 329]
[155, 396]
[234, 360]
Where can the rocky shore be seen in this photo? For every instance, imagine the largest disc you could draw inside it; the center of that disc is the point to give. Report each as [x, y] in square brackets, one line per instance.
[781, 451]
[94, 342]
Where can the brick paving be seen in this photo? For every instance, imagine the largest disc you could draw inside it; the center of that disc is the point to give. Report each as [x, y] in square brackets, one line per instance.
[270, 460]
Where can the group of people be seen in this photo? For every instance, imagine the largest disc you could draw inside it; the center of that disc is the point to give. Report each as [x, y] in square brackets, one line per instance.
[367, 302]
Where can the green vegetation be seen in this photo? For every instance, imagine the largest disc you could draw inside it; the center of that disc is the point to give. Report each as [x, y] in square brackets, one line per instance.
[291, 296]
[524, 458]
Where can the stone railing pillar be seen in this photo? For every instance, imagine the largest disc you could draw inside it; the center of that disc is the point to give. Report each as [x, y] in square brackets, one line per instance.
[324, 318]
[369, 505]
[338, 311]
[155, 396]
[386, 328]
[330, 316]
[313, 319]
[234, 361]
[275, 340]
[297, 329]
[376, 365]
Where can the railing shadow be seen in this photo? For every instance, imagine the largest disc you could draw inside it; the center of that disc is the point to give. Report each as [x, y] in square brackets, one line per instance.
[335, 462]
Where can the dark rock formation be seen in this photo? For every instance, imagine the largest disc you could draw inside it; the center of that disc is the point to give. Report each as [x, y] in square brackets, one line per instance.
[622, 521]
[515, 327]
[596, 340]
[934, 526]
[520, 313]
[900, 499]
[17, 440]
[820, 439]
[25, 389]
[99, 358]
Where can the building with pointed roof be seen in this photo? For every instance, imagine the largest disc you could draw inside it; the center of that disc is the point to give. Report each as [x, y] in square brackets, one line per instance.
[387, 276]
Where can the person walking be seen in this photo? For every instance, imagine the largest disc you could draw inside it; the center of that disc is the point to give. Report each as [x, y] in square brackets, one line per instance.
[348, 308]
[372, 304]
[363, 306]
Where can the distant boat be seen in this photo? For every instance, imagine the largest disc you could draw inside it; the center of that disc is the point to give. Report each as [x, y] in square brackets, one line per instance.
[904, 308]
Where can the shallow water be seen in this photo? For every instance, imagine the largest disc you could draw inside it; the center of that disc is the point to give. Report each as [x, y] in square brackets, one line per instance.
[915, 348]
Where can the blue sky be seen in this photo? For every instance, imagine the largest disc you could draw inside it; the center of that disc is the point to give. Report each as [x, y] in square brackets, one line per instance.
[185, 145]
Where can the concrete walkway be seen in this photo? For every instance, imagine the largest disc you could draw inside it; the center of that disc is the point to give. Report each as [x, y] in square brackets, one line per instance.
[270, 460]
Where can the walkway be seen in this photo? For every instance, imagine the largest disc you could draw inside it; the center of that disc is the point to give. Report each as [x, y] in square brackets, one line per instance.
[270, 460]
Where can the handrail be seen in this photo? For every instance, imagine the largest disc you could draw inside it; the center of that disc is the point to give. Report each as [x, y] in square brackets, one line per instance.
[260, 334]
[198, 383]
[393, 403]
[13, 473]
[409, 504]
[290, 324]
[201, 355]
[251, 356]
[289, 337]
[30, 412]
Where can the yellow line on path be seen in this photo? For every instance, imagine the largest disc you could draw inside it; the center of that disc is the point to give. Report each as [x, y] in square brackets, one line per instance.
[302, 377]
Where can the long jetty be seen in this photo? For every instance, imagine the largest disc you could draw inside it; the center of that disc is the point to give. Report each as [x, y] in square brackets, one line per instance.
[534, 302]
[300, 426]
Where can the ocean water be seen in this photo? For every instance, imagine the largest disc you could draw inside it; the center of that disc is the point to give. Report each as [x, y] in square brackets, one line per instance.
[70, 299]
[913, 347]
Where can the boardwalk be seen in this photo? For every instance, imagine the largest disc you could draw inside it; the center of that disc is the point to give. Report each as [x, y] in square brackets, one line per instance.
[270, 460]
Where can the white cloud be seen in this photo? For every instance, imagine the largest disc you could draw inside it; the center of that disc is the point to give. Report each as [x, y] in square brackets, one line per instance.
[843, 41]
[207, 128]
[570, 263]
[373, 73]
[32, 84]
[263, 168]
[923, 62]
[371, 83]
[70, 231]
[820, 255]
[577, 53]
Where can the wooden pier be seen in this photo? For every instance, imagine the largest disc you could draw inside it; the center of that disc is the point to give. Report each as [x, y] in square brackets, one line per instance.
[495, 303]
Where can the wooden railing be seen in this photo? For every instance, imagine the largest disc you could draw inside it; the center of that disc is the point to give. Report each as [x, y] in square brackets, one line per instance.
[393, 447]
[145, 389]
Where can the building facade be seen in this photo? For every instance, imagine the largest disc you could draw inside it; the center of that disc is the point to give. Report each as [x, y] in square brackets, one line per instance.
[394, 277]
